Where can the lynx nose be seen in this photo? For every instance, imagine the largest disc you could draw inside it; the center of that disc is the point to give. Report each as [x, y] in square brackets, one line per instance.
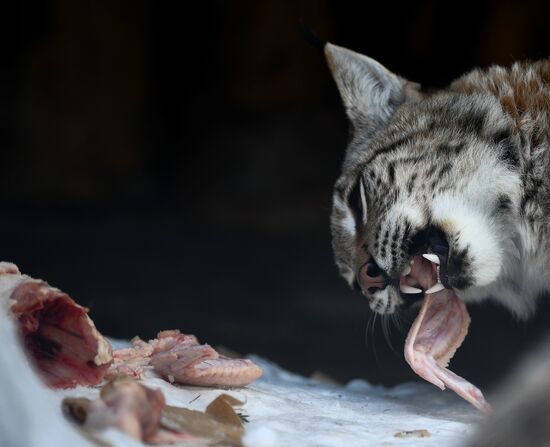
[371, 277]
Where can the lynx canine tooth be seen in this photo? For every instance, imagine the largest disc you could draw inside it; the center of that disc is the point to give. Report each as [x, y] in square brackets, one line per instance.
[407, 270]
[431, 257]
[408, 289]
[435, 288]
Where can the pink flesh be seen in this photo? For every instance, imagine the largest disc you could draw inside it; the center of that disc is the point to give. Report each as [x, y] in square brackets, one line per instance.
[135, 410]
[68, 351]
[132, 362]
[436, 334]
[180, 358]
[57, 333]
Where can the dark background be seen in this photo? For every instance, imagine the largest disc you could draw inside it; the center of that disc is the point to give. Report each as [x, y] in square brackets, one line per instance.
[170, 165]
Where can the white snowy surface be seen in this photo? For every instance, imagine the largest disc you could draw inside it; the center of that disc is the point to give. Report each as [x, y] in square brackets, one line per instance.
[288, 410]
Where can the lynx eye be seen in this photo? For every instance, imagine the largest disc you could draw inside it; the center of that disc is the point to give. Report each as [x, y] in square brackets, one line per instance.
[357, 201]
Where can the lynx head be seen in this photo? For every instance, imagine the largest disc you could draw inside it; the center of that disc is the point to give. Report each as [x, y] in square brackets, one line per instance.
[422, 173]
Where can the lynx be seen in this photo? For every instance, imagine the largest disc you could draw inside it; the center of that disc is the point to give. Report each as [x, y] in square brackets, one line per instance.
[461, 173]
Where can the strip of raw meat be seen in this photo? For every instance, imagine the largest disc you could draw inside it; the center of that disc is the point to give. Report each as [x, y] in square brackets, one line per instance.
[436, 334]
[134, 408]
[129, 406]
[141, 413]
[133, 362]
[180, 358]
[59, 337]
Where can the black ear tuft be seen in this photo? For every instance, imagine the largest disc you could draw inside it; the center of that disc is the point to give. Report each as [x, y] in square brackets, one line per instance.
[310, 36]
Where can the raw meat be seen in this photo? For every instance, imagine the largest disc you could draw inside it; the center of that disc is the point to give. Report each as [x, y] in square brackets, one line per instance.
[133, 362]
[59, 337]
[180, 358]
[129, 406]
[436, 334]
[133, 408]
[140, 412]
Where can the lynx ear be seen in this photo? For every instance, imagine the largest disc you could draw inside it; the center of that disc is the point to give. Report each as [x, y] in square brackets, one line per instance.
[370, 92]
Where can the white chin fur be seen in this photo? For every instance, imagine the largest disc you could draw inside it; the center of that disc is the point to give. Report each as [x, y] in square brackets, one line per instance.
[380, 300]
[349, 276]
[474, 231]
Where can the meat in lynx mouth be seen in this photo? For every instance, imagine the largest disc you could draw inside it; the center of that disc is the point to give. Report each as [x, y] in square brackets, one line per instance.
[438, 331]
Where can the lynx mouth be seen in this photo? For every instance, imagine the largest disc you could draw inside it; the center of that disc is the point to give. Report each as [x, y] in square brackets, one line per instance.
[423, 269]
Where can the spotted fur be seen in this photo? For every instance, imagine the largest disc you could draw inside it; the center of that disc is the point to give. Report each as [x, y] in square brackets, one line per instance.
[470, 162]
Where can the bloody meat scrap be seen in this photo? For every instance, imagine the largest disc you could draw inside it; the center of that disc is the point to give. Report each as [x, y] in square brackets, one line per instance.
[141, 413]
[67, 350]
[180, 358]
[58, 335]
[133, 408]
[129, 406]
